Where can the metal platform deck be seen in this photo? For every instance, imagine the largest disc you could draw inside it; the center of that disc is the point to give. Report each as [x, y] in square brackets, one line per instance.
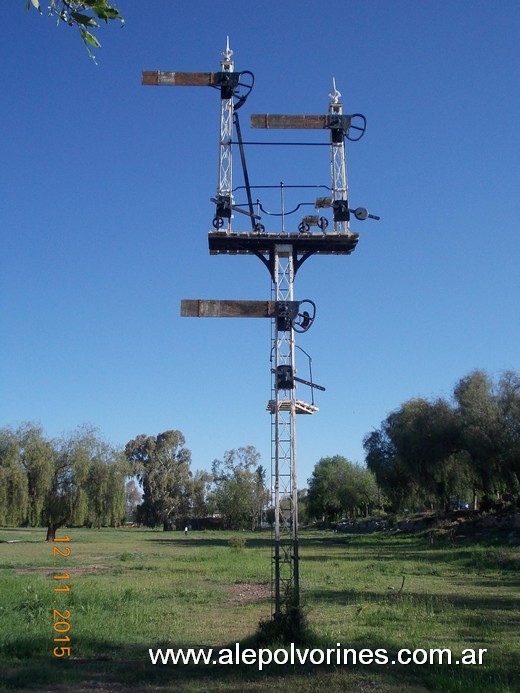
[249, 243]
[285, 405]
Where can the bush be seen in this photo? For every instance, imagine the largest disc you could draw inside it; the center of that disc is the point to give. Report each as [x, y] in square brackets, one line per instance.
[237, 543]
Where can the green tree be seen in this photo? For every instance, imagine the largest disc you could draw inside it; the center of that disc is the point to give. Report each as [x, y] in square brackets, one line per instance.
[323, 485]
[490, 429]
[162, 466]
[115, 499]
[74, 479]
[82, 14]
[508, 394]
[105, 485]
[416, 454]
[433, 451]
[78, 459]
[358, 492]
[14, 497]
[37, 457]
[66, 501]
[339, 487]
[398, 483]
[239, 491]
[427, 438]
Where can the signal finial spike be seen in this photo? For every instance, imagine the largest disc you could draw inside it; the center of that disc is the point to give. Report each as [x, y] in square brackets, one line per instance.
[226, 54]
[334, 94]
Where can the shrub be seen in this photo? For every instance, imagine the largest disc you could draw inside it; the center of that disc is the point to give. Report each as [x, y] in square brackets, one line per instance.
[237, 543]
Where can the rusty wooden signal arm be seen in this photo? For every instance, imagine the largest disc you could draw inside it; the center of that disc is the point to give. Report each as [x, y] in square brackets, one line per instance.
[228, 82]
[340, 124]
[183, 79]
[214, 308]
[286, 313]
[208, 308]
[300, 122]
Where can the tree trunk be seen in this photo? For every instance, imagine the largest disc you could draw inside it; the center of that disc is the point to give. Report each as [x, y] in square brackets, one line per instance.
[51, 531]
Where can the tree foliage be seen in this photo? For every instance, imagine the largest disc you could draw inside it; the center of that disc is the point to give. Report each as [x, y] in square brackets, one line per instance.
[339, 488]
[76, 479]
[162, 465]
[14, 497]
[431, 451]
[85, 15]
[105, 484]
[38, 458]
[239, 488]
[72, 497]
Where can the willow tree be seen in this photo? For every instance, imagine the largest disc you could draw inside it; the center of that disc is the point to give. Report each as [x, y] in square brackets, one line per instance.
[37, 457]
[14, 497]
[79, 457]
[105, 486]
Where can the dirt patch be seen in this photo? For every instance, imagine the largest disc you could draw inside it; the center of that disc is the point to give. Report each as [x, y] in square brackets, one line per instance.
[77, 570]
[243, 593]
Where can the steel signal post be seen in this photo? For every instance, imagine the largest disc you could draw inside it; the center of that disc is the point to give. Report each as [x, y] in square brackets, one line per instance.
[282, 252]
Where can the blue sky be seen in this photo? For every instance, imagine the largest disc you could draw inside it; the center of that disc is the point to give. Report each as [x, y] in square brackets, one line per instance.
[106, 189]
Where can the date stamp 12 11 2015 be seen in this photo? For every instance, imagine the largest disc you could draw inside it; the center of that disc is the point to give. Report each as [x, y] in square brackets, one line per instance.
[61, 616]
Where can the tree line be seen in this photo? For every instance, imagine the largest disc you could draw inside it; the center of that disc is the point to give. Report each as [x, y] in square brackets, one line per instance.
[81, 480]
[234, 492]
[428, 452]
[424, 454]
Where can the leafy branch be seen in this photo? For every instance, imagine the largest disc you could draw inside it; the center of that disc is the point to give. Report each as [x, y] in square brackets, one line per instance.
[83, 14]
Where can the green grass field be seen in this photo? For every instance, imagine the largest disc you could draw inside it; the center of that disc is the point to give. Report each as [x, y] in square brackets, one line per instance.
[134, 589]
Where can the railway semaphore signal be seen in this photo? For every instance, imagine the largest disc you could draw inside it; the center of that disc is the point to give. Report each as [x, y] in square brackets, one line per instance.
[283, 253]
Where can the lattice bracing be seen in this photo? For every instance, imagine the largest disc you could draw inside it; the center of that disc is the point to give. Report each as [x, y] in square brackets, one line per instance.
[283, 463]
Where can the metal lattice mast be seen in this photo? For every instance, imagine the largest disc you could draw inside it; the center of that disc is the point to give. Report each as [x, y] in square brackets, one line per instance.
[338, 166]
[285, 574]
[283, 254]
[225, 173]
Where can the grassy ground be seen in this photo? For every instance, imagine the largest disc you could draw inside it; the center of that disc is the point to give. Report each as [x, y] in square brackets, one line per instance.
[132, 589]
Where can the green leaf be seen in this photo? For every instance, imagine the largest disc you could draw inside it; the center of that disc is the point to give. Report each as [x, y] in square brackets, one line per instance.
[35, 3]
[89, 38]
[83, 19]
[106, 13]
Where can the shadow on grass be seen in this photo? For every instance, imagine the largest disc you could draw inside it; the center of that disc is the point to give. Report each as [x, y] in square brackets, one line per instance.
[465, 601]
[192, 542]
[129, 667]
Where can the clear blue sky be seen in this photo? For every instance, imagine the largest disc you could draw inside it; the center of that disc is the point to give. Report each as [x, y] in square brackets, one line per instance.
[105, 212]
